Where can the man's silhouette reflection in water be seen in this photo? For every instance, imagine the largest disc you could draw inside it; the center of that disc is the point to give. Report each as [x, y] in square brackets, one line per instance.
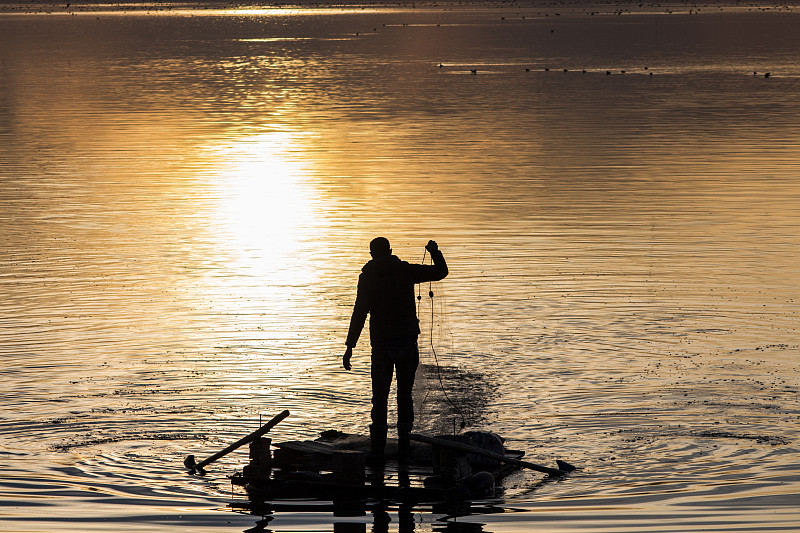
[386, 293]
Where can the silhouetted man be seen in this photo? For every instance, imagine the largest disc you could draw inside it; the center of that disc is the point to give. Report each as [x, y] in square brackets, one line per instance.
[386, 292]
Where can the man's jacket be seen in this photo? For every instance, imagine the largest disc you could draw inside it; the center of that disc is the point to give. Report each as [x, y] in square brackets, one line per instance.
[386, 292]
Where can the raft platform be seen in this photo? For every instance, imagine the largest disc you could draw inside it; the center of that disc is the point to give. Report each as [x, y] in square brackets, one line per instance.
[333, 468]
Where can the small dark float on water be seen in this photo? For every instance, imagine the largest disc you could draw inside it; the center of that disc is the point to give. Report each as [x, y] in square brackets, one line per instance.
[444, 469]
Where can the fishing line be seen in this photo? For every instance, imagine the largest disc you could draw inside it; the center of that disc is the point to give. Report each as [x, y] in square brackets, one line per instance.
[433, 349]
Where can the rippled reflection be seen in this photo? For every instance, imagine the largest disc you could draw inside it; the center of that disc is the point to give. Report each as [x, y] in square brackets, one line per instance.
[186, 201]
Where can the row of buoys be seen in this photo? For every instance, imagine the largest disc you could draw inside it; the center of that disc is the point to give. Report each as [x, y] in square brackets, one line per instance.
[584, 71]
[547, 69]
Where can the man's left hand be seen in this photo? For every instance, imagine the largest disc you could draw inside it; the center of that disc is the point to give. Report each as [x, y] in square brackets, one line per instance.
[346, 358]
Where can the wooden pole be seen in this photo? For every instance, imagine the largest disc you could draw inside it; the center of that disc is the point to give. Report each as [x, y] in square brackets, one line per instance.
[189, 461]
[466, 448]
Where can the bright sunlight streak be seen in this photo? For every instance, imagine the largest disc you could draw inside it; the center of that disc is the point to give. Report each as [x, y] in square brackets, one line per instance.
[263, 203]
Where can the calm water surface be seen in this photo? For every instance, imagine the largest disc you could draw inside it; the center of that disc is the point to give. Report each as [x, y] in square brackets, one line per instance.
[186, 198]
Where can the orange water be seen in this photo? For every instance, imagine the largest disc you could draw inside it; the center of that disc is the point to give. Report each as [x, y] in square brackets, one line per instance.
[185, 203]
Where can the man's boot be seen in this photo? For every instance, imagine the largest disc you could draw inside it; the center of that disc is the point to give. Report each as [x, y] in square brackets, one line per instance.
[377, 445]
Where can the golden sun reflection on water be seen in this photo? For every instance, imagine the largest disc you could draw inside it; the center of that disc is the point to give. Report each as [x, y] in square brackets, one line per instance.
[264, 216]
[263, 203]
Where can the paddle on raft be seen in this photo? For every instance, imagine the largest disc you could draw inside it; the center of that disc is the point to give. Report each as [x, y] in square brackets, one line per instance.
[198, 467]
[566, 467]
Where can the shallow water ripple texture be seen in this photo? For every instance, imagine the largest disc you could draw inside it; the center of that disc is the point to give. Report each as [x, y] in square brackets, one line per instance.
[186, 198]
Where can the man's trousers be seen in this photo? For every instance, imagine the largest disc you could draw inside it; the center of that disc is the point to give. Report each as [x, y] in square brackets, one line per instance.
[402, 361]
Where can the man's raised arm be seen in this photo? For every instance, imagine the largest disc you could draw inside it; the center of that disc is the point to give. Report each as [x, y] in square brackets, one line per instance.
[438, 270]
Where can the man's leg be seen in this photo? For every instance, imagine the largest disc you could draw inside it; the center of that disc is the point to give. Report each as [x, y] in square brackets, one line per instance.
[381, 373]
[406, 362]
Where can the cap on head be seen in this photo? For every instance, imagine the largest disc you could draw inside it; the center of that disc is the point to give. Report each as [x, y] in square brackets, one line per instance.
[379, 247]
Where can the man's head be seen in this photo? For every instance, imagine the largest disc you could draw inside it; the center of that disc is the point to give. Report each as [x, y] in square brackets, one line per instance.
[380, 247]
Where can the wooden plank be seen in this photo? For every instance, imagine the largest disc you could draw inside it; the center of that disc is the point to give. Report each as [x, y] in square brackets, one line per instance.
[326, 489]
[305, 446]
[466, 448]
